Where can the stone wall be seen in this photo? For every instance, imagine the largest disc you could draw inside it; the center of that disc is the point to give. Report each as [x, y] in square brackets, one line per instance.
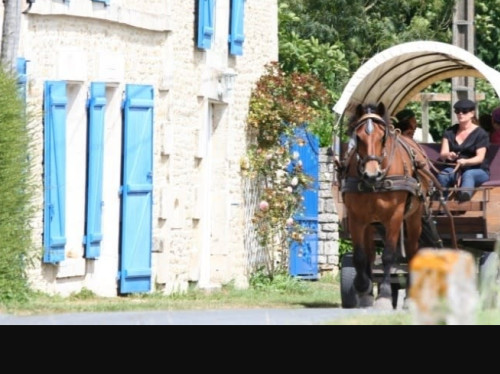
[328, 246]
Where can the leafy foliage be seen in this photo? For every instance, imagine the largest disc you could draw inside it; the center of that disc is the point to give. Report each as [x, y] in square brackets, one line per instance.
[326, 62]
[366, 27]
[487, 25]
[279, 105]
[15, 191]
[332, 39]
[280, 282]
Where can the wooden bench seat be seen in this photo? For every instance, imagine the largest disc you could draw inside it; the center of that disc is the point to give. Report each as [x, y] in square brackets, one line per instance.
[475, 221]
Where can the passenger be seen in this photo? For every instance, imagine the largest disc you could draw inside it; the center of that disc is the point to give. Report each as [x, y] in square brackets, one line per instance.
[495, 126]
[465, 143]
[407, 123]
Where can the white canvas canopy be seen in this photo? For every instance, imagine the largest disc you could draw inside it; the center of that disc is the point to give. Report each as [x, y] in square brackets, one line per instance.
[397, 74]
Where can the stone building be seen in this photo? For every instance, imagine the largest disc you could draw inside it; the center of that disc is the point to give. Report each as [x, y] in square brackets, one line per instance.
[138, 110]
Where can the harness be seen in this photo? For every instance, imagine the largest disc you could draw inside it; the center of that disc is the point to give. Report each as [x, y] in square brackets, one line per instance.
[419, 181]
[404, 182]
[389, 183]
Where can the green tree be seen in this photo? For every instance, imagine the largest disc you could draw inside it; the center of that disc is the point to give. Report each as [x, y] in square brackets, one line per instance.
[487, 34]
[15, 192]
[324, 61]
[366, 27]
[487, 25]
[332, 39]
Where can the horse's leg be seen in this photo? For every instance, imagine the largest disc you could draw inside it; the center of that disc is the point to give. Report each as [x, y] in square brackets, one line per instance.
[362, 282]
[414, 225]
[366, 299]
[389, 255]
[370, 249]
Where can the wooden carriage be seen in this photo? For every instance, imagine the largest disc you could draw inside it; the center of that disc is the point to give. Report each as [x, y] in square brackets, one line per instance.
[394, 77]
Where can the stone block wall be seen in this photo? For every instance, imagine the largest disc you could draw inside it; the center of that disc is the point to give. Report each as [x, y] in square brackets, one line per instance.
[328, 247]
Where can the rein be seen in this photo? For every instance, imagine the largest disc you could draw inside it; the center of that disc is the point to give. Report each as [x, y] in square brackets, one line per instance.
[455, 167]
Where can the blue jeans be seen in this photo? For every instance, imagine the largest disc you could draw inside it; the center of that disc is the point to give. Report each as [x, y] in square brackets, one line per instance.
[470, 178]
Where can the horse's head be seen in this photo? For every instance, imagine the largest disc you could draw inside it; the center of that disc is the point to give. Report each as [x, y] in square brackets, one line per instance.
[370, 131]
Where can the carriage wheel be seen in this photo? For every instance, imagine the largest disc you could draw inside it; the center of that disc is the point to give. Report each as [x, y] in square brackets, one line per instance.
[347, 273]
[489, 279]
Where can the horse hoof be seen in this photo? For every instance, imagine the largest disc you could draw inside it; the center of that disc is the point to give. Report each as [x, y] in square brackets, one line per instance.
[383, 303]
[368, 289]
[366, 301]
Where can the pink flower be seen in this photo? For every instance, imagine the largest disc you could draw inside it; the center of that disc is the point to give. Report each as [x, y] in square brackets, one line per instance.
[289, 189]
[264, 206]
[289, 221]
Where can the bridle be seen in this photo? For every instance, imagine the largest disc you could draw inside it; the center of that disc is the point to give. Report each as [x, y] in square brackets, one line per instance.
[367, 120]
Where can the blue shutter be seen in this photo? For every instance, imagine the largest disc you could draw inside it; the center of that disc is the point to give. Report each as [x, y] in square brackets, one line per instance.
[21, 77]
[304, 255]
[106, 2]
[54, 227]
[137, 190]
[205, 23]
[236, 31]
[96, 113]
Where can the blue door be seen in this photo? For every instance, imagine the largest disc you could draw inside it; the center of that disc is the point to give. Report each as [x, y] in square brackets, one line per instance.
[304, 256]
[137, 190]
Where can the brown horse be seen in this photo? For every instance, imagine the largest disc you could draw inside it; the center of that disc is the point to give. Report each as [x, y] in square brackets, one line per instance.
[382, 182]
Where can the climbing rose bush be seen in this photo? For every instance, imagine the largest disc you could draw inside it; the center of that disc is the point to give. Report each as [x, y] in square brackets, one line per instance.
[278, 105]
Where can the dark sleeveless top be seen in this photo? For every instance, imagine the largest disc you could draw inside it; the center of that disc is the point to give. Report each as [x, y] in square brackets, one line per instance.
[478, 138]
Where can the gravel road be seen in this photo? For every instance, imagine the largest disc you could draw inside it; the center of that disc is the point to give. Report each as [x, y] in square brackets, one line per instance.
[308, 316]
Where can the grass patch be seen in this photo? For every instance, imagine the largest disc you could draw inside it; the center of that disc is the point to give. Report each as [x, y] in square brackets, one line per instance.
[282, 292]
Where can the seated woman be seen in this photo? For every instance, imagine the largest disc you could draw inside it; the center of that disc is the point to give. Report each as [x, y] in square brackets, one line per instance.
[465, 143]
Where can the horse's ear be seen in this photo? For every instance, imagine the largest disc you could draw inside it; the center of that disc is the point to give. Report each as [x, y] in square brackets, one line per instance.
[381, 109]
[359, 110]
